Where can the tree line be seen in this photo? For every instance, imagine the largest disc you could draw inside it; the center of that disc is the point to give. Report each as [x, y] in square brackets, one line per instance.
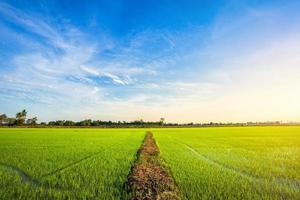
[100, 123]
[21, 119]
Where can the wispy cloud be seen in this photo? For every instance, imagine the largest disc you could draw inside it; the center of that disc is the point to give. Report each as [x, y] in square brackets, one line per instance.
[224, 71]
[35, 24]
[68, 67]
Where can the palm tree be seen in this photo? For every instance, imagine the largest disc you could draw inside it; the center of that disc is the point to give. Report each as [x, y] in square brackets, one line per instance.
[24, 113]
[19, 115]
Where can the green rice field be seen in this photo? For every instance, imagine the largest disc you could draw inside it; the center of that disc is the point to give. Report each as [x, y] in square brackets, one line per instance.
[206, 163]
[66, 163]
[233, 163]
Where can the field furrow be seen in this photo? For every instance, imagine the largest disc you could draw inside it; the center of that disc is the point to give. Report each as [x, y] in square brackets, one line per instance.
[233, 163]
[206, 163]
[66, 163]
[22, 174]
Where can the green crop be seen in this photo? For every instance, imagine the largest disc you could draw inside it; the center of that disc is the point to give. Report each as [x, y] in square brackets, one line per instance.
[206, 163]
[66, 163]
[233, 163]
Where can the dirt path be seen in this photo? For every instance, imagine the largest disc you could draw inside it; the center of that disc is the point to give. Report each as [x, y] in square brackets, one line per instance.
[149, 179]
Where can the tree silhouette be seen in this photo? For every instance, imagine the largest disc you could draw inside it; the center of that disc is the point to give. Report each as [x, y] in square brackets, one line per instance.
[21, 117]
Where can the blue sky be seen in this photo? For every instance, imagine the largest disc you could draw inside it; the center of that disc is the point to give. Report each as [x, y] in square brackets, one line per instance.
[186, 61]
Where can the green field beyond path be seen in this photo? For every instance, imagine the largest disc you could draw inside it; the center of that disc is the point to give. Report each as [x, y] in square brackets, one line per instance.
[206, 163]
[233, 163]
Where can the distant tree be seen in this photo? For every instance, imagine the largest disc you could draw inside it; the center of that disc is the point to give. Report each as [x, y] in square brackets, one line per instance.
[162, 121]
[138, 122]
[32, 121]
[86, 122]
[18, 115]
[11, 121]
[60, 122]
[21, 117]
[95, 123]
[56, 123]
[3, 118]
[69, 123]
[51, 123]
[29, 121]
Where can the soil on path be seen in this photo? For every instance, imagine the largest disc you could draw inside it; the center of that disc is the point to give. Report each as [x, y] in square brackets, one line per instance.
[149, 179]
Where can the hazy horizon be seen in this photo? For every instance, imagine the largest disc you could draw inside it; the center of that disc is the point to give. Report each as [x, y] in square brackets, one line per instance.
[195, 61]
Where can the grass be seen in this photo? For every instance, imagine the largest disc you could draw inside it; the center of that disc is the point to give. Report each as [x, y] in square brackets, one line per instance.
[206, 163]
[66, 163]
[233, 163]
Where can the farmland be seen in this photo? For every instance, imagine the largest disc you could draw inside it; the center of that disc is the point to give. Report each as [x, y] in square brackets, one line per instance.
[66, 163]
[233, 163]
[206, 163]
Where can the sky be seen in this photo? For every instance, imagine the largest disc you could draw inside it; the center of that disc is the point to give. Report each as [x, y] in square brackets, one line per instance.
[186, 61]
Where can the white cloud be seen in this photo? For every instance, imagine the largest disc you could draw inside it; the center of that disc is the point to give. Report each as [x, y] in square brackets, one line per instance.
[156, 73]
[89, 70]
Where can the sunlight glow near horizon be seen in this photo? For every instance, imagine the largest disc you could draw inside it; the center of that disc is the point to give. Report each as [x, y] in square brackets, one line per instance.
[125, 60]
